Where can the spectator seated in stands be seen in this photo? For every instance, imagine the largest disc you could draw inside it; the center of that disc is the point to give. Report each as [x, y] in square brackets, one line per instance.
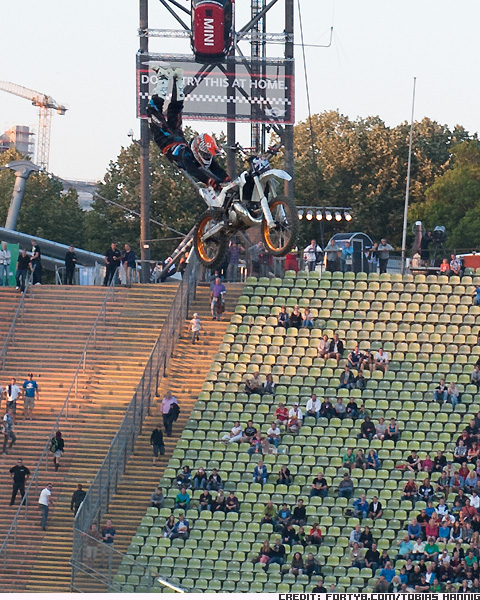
[352, 409]
[413, 462]
[326, 409]
[295, 419]
[235, 435]
[442, 508]
[431, 529]
[453, 394]
[319, 588]
[443, 484]
[299, 516]
[253, 384]
[249, 432]
[313, 407]
[169, 526]
[392, 432]
[373, 462]
[260, 473]
[289, 535]
[372, 559]
[354, 359]
[157, 498]
[181, 529]
[281, 414]
[410, 492]
[215, 482]
[347, 379]
[444, 531]
[282, 319]
[414, 529]
[368, 360]
[200, 479]
[336, 348]
[431, 549]
[323, 347]
[473, 452]
[218, 504]
[427, 464]
[440, 394]
[297, 565]
[340, 409]
[475, 376]
[319, 486]
[284, 476]
[184, 478]
[205, 501]
[455, 266]
[274, 435]
[357, 556]
[367, 430]
[269, 514]
[460, 452]
[348, 459]
[475, 502]
[277, 554]
[307, 319]
[471, 481]
[360, 460]
[418, 552]
[381, 585]
[264, 554]
[362, 413]
[355, 536]
[296, 318]
[315, 537]
[360, 381]
[269, 386]
[256, 444]
[360, 507]
[232, 504]
[284, 516]
[366, 538]
[182, 499]
[312, 565]
[444, 267]
[345, 487]
[380, 429]
[425, 491]
[388, 571]
[381, 361]
[375, 509]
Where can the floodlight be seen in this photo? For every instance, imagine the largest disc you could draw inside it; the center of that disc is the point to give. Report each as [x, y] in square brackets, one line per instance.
[347, 215]
[300, 214]
[319, 215]
[328, 215]
[309, 215]
[338, 216]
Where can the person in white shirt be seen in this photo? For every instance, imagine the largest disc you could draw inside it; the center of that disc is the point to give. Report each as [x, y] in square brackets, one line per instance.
[296, 412]
[45, 502]
[313, 407]
[235, 434]
[5, 258]
[13, 392]
[273, 435]
[381, 360]
[196, 326]
[310, 255]
[475, 500]
[442, 508]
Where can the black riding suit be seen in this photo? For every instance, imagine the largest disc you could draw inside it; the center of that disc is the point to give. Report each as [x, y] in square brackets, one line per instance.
[168, 135]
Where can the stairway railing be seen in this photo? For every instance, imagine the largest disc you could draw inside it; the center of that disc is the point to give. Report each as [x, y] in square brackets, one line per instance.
[19, 314]
[45, 457]
[107, 479]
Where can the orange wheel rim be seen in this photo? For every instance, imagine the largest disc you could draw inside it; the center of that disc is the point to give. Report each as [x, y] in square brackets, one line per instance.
[267, 233]
[200, 245]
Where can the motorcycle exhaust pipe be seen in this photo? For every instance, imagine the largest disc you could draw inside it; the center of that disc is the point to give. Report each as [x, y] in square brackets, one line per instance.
[245, 216]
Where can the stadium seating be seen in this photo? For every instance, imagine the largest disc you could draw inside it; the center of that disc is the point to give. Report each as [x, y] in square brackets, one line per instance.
[428, 326]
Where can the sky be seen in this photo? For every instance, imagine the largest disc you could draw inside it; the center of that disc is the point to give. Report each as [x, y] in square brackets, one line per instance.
[83, 55]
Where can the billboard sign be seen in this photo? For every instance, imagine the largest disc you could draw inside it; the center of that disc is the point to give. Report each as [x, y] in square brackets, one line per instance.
[233, 91]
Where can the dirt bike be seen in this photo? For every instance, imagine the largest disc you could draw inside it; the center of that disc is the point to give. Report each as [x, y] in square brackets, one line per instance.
[251, 200]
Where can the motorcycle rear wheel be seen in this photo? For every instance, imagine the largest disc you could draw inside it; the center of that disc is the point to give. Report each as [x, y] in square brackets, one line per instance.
[282, 238]
[210, 252]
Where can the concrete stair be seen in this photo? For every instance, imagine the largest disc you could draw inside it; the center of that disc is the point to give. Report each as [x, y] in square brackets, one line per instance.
[186, 375]
[49, 342]
[9, 300]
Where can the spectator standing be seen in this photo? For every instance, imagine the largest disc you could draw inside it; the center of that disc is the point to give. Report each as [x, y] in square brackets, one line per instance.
[332, 251]
[129, 264]
[36, 263]
[233, 261]
[7, 429]
[217, 299]
[78, 497]
[93, 538]
[310, 255]
[112, 262]
[5, 259]
[156, 441]
[12, 392]
[70, 265]
[30, 391]
[57, 446]
[383, 253]
[45, 502]
[346, 257]
[23, 265]
[170, 412]
[254, 256]
[20, 474]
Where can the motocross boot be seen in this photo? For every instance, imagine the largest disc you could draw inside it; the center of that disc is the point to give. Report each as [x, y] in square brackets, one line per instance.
[178, 83]
[164, 74]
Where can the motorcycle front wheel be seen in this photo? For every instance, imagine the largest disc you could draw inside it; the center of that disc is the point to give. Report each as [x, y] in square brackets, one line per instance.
[279, 240]
[211, 251]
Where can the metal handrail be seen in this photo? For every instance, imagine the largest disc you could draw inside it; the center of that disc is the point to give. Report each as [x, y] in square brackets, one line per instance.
[106, 481]
[20, 309]
[102, 314]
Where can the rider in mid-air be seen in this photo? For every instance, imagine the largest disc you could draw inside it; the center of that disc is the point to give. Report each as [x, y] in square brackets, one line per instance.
[196, 158]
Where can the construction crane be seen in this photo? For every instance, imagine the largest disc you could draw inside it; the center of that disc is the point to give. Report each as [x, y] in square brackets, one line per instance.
[46, 104]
